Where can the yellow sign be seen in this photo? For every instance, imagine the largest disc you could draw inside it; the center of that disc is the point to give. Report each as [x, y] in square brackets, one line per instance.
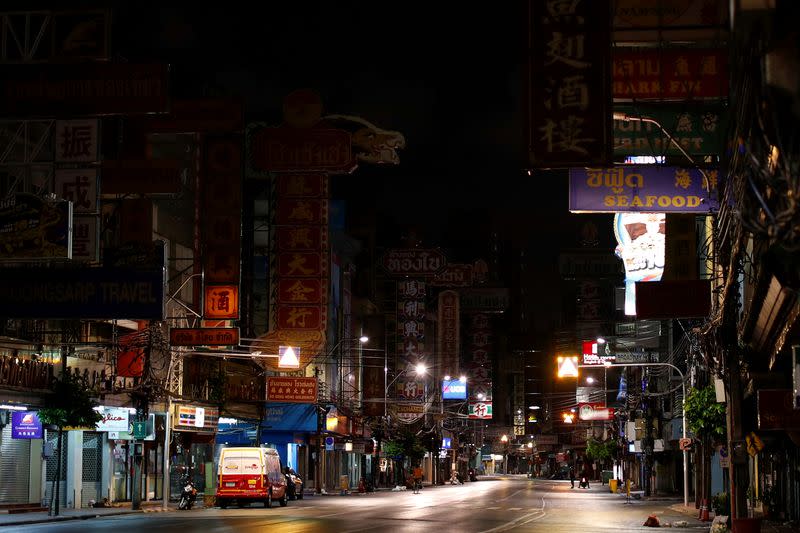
[568, 367]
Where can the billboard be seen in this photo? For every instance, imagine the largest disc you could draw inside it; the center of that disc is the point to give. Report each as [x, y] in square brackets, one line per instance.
[32, 228]
[454, 389]
[25, 425]
[595, 411]
[641, 238]
[647, 188]
[102, 293]
[90, 88]
[413, 262]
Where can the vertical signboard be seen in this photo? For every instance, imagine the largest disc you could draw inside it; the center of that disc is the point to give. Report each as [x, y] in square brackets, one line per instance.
[569, 93]
[411, 319]
[222, 223]
[641, 238]
[76, 141]
[449, 333]
[479, 373]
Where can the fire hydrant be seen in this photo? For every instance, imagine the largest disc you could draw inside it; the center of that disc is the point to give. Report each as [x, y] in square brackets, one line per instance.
[362, 486]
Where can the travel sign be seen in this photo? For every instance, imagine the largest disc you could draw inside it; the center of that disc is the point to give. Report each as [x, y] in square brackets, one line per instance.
[642, 189]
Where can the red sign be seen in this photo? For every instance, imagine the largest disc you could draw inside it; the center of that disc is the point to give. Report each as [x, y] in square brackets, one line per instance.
[302, 238]
[300, 265]
[775, 410]
[222, 208]
[454, 275]
[448, 333]
[595, 411]
[141, 176]
[682, 74]
[204, 336]
[200, 115]
[221, 301]
[286, 149]
[293, 390]
[299, 291]
[299, 317]
[89, 88]
[302, 211]
[302, 186]
[417, 262]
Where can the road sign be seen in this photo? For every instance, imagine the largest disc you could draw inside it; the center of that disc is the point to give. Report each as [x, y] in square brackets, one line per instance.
[139, 430]
[329, 443]
[685, 444]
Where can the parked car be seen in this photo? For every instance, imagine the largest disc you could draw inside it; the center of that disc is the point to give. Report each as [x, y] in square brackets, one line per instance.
[294, 485]
[249, 475]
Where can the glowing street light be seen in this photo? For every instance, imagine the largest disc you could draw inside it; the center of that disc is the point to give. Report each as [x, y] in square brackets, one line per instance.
[420, 368]
[462, 379]
[504, 438]
[363, 339]
[568, 417]
[590, 380]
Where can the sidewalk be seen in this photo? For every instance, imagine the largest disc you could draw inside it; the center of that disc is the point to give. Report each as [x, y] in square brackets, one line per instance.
[767, 526]
[79, 514]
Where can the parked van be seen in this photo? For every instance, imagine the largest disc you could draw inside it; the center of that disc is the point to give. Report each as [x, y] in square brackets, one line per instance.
[250, 475]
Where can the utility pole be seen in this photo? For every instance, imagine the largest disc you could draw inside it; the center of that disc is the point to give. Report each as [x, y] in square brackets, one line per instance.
[142, 399]
[320, 444]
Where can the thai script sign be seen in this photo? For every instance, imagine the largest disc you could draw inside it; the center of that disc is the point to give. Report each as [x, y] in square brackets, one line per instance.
[32, 228]
[413, 262]
[636, 189]
[292, 390]
[204, 336]
[285, 149]
[89, 88]
[698, 131]
[595, 411]
[485, 300]
[454, 275]
[102, 293]
[25, 425]
[569, 96]
[678, 74]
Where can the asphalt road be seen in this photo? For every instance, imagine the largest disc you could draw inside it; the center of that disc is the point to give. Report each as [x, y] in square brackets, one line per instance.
[492, 505]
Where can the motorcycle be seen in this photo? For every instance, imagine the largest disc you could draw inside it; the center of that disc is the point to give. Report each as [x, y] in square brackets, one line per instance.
[472, 476]
[188, 496]
[584, 484]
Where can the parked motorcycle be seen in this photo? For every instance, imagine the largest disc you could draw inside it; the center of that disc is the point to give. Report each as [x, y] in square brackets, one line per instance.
[188, 496]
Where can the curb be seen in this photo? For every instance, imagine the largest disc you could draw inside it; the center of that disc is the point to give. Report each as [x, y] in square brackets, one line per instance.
[62, 518]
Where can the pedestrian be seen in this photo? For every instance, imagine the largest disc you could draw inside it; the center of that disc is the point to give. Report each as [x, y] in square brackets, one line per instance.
[572, 477]
[417, 479]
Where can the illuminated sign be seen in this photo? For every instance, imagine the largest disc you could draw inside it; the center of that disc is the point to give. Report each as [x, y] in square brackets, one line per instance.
[595, 411]
[641, 238]
[25, 425]
[567, 367]
[593, 356]
[454, 389]
[113, 419]
[222, 301]
[480, 410]
[204, 336]
[446, 443]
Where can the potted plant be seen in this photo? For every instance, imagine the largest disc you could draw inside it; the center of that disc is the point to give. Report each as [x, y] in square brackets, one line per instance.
[721, 504]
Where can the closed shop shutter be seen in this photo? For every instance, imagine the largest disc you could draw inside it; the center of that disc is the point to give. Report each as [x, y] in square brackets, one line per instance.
[15, 464]
[52, 438]
[92, 466]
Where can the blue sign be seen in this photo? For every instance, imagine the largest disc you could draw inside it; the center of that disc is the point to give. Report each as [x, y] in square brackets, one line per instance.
[642, 189]
[446, 441]
[25, 425]
[282, 416]
[329, 444]
[102, 293]
[454, 389]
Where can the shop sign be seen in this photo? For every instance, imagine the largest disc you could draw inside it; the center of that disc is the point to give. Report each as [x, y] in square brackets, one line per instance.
[76, 141]
[300, 317]
[85, 230]
[677, 74]
[299, 291]
[592, 357]
[636, 189]
[113, 419]
[413, 262]
[204, 336]
[302, 237]
[569, 96]
[32, 228]
[306, 185]
[454, 275]
[300, 264]
[642, 242]
[302, 211]
[480, 410]
[485, 300]
[189, 417]
[286, 149]
[25, 425]
[593, 265]
[595, 411]
[698, 131]
[448, 334]
[291, 389]
[776, 410]
[454, 389]
[103, 293]
[221, 301]
[83, 88]
[409, 412]
[546, 440]
[141, 176]
[290, 417]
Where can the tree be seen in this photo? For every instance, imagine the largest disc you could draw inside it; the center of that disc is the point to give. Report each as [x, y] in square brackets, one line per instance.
[405, 445]
[70, 404]
[706, 418]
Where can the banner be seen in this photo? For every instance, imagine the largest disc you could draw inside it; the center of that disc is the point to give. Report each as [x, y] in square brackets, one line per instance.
[698, 130]
[569, 93]
[646, 188]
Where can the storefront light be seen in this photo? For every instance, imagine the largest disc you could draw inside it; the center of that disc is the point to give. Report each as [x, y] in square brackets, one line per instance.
[13, 407]
[348, 446]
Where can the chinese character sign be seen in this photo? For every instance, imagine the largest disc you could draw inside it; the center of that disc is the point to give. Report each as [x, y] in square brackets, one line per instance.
[569, 96]
[79, 187]
[221, 302]
[25, 425]
[76, 141]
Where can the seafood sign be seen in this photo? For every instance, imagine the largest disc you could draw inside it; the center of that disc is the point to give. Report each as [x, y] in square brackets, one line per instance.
[648, 188]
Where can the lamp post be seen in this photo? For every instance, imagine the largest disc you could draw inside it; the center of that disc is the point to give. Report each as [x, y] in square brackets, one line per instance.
[683, 410]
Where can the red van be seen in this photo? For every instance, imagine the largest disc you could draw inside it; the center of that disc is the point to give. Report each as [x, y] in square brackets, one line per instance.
[250, 475]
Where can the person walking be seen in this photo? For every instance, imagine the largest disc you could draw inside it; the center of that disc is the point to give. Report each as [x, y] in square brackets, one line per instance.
[572, 477]
[417, 479]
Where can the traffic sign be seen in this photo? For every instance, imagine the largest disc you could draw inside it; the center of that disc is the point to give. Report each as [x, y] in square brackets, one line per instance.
[139, 430]
[685, 444]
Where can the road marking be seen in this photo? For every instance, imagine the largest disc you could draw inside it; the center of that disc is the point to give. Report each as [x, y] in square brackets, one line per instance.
[515, 508]
[524, 519]
[493, 508]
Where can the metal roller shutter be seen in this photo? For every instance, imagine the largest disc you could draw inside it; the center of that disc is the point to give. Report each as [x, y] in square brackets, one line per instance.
[15, 464]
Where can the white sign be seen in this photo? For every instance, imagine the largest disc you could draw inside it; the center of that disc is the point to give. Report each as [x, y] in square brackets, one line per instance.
[641, 238]
[84, 238]
[114, 419]
[199, 417]
[79, 186]
[76, 141]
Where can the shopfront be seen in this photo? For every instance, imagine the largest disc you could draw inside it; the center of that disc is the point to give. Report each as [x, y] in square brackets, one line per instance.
[20, 457]
[192, 448]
